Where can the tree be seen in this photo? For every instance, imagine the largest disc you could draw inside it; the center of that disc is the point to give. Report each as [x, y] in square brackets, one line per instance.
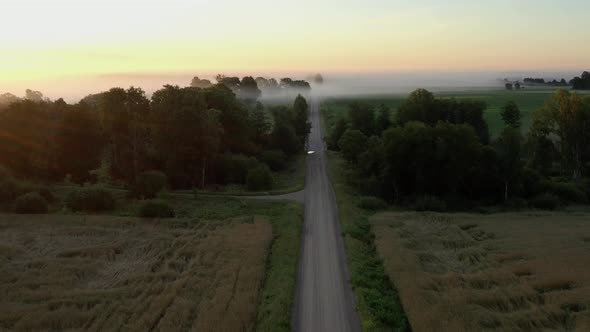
[283, 138]
[581, 82]
[383, 119]
[301, 124]
[511, 115]
[34, 96]
[188, 134]
[508, 86]
[125, 116]
[336, 133]
[352, 144]
[6, 99]
[262, 83]
[259, 124]
[249, 91]
[273, 85]
[233, 83]
[509, 149]
[233, 116]
[423, 107]
[420, 106]
[362, 117]
[567, 117]
[318, 78]
[27, 130]
[200, 83]
[286, 82]
[80, 143]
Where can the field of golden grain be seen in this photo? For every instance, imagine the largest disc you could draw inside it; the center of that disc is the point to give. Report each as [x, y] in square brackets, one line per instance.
[503, 272]
[110, 273]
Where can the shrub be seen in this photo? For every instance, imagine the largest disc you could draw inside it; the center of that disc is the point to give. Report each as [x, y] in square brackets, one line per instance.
[259, 178]
[567, 192]
[545, 202]
[155, 209]
[30, 203]
[90, 199]
[149, 184]
[516, 203]
[46, 193]
[430, 203]
[233, 168]
[275, 159]
[11, 188]
[371, 203]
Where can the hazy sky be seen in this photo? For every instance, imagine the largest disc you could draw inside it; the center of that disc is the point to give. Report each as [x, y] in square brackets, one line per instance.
[43, 40]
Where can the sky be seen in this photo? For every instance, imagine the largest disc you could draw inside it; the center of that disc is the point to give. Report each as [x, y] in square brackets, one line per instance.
[58, 43]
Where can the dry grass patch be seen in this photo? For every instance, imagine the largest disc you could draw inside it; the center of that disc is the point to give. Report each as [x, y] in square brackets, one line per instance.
[504, 272]
[115, 273]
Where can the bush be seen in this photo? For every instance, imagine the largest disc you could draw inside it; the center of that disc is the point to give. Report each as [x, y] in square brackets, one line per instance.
[371, 203]
[430, 203]
[233, 168]
[546, 202]
[516, 203]
[46, 193]
[567, 192]
[149, 184]
[275, 159]
[90, 199]
[30, 203]
[155, 209]
[11, 188]
[259, 178]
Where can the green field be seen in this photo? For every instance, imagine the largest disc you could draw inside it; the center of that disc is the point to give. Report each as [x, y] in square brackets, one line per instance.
[527, 101]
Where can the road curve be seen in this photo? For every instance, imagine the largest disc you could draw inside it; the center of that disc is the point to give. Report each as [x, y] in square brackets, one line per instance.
[324, 300]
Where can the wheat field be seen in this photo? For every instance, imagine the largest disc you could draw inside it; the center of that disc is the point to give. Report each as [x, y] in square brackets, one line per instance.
[103, 273]
[503, 272]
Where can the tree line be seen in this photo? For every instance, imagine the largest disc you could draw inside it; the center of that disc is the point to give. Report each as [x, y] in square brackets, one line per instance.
[196, 136]
[249, 88]
[581, 82]
[439, 151]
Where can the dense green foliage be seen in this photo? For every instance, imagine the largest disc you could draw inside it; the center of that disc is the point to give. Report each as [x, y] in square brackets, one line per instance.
[436, 155]
[193, 135]
[582, 82]
[30, 203]
[90, 199]
[259, 178]
[275, 159]
[527, 101]
[155, 209]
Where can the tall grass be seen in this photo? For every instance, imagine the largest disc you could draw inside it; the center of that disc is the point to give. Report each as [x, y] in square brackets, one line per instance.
[377, 299]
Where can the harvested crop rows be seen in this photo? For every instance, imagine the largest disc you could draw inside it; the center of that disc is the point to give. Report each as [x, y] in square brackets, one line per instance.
[126, 274]
[504, 272]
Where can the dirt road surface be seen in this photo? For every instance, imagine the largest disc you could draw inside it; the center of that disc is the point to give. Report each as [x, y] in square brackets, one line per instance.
[324, 300]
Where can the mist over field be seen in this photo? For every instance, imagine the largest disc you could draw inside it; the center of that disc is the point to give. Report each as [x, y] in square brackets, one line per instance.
[72, 89]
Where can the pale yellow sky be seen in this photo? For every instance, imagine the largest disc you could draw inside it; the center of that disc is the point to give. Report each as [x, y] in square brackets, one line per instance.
[45, 40]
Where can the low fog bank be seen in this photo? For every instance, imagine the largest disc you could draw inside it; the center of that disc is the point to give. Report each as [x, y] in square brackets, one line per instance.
[340, 85]
[335, 84]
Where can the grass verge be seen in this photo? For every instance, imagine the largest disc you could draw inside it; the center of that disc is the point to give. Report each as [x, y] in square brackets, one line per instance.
[377, 300]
